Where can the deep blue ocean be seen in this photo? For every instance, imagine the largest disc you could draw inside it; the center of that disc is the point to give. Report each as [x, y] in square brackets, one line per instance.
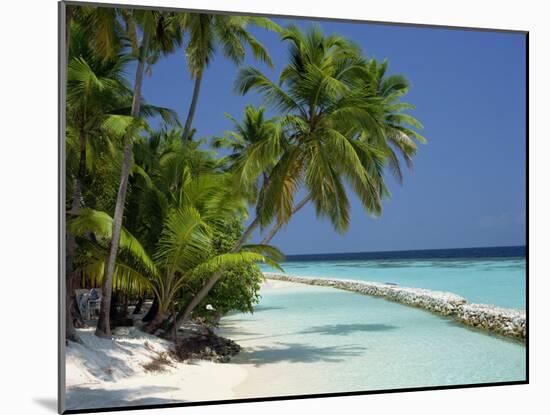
[454, 253]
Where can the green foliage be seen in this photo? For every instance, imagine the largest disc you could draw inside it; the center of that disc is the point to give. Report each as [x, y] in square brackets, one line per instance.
[238, 288]
[208, 32]
[340, 124]
[183, 219]
[98, 110]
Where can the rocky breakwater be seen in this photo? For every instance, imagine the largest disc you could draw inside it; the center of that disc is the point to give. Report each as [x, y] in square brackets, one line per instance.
[506, 322]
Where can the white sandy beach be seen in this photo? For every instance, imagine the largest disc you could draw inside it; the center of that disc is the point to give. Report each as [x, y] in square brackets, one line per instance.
[275, 367]
[325, 341]
[107, 373]
[110, 373]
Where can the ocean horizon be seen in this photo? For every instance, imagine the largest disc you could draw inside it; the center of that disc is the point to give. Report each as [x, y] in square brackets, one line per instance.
[302, 332]
[449, 253]
[484, 275]
[239, 216]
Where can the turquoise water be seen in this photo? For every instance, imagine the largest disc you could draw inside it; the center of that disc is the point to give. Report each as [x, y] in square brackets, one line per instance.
[499, 281]
[308, 340]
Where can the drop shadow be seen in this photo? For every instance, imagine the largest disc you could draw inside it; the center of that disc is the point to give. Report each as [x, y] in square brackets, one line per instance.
[49, 403]
[345, 329]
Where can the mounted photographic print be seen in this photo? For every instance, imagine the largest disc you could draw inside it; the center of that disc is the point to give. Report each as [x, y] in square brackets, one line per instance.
[261, 207]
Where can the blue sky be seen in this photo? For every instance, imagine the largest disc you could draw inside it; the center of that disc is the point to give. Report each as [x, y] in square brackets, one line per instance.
[467, 188]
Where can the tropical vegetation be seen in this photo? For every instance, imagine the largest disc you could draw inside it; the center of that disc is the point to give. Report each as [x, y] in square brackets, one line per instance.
[154, 211]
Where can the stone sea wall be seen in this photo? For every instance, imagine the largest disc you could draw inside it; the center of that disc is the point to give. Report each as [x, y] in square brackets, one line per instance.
[503, 321]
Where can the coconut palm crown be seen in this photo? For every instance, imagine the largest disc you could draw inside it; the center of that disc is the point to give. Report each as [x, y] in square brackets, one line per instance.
[340, 119]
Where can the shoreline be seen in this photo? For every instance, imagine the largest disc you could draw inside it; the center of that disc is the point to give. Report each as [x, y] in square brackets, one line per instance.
[110, 371]
[290, 352]
[507, 322]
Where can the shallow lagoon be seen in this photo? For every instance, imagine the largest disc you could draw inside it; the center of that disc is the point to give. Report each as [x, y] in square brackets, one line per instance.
[307, 340]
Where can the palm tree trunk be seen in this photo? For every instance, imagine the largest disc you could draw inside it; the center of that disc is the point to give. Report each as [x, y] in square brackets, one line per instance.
[103, 326]
[71, 274]
[156, 323]
[138, 306]
[174, 326]
[124, 311]
[193, 106]
[152, 312]
[80, 176]
[70, 332]
[279, 225]
[68, 20]
[203, 292]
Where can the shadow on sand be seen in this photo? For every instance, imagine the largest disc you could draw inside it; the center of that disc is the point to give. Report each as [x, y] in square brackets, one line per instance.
[345, 329]
[233, 330]
[299, 353]
[259, 308]
[103, 371]
[84, 398]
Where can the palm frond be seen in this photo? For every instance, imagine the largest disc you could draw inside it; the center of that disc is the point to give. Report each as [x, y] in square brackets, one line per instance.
[100, 224]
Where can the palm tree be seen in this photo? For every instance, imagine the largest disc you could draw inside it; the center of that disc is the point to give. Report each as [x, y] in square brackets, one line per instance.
[194, 180]
[98, 101]
[394, 134]
[185, 246]
[96, 90]
[397, 137]
[95, 86]
[327, 105]
[195, 206]
[147, 51]
[98, 113]
[255, 144]
[206, 33]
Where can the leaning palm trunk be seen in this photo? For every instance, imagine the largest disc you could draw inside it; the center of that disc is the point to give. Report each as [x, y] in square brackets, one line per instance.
[159, 315]
[193, 106]
[203, 292]
[152, 312]
[279, 225]
[103, 325]
[157, 321]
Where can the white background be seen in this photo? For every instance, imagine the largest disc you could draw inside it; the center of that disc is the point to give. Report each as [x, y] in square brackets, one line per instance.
[28, 203]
